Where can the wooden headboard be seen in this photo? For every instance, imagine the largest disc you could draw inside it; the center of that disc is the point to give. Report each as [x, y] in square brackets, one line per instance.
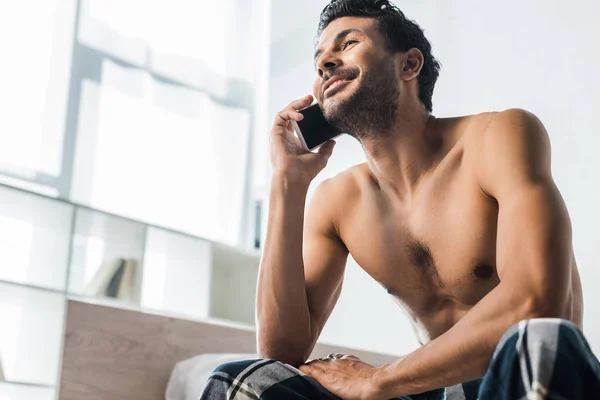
[112, 353]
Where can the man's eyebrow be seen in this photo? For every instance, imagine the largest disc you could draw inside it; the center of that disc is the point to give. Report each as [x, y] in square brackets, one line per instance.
[338, 37]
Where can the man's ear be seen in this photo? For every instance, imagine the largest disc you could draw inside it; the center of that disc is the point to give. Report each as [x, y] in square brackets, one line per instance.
[412, 64]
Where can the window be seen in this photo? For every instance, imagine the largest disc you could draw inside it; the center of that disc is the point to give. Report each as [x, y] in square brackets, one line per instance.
[34, 78]
[153, 120]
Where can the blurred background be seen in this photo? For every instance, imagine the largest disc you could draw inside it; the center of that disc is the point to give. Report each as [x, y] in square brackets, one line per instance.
[134, 163]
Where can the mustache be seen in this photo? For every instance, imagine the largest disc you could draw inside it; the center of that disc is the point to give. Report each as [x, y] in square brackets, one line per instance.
[349, 73]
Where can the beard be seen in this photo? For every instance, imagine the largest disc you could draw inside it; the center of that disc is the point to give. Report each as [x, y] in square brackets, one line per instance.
[371, 110]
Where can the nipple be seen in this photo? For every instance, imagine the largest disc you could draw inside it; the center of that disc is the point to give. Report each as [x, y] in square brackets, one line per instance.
[484, 271]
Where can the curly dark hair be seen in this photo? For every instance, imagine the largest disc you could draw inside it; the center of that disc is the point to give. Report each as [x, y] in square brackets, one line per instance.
[400, 33]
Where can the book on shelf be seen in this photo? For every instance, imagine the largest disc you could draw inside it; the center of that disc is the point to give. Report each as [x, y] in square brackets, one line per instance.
[115, 279]
[102, 278]
[112, 289]
[126, 288]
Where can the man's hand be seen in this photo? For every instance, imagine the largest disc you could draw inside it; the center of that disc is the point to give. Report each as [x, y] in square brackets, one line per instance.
[288, 157]
[345, 376]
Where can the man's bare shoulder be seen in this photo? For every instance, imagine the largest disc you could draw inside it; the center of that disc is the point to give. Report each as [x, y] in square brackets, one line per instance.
[347, 184]
[511, 142]
[338, 195]
[482, 133]
[512, 121]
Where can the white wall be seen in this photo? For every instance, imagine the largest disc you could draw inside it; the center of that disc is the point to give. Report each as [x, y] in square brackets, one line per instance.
[539, 55]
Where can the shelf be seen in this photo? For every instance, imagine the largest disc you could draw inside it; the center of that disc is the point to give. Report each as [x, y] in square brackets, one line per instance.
[214, 320]
[53, 248]
[26, 391]
[233, 285]
[28, 384]
[31, 334]
[34, 238]
[149, 224]
[34, 287]
[177, 274]
[100, 243]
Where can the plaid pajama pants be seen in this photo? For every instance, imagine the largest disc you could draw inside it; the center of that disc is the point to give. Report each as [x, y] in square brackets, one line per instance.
[536, 359]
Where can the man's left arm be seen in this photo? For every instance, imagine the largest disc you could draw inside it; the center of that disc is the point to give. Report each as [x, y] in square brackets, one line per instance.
[534, 257]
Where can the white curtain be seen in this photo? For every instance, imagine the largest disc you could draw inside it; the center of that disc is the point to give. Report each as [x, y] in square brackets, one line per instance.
[162, 154]
[36, 38]
[200, 42]
[163, 117]
[163, 136]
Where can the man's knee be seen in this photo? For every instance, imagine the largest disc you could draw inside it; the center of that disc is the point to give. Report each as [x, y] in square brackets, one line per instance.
[255, 372]
[235, 368]
[549, 329]
[545, 335]
[541, 356]
[252, 377]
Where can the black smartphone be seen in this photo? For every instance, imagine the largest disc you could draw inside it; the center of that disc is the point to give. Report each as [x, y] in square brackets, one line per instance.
[314, 130]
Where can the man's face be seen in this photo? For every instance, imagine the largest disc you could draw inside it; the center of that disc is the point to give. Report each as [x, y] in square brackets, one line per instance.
[356, 83]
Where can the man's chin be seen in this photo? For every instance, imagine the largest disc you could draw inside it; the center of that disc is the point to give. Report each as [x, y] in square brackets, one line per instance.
[336, 113]
[332, 110]
[337, 101]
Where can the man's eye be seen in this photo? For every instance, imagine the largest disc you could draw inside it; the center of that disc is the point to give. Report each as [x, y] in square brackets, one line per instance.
[348, 43]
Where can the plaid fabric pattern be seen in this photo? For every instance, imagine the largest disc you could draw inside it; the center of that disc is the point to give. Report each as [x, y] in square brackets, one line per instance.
[536, 359]
[542, 359]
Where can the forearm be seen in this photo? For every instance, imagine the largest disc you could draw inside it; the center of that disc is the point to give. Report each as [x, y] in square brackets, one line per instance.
[284, 327]
[464, 352]
[534, 265]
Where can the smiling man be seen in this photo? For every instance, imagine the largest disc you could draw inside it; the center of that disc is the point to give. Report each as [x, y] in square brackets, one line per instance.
[458, 218]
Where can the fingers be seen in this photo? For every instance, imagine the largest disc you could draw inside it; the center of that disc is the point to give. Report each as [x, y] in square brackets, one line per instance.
[321, 157]
[286, 115]
[315, 367]
[302, 103]
[318, 361]
[334, 356]
[291, 111]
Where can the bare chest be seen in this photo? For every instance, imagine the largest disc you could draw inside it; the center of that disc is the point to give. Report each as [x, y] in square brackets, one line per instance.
[436, 253]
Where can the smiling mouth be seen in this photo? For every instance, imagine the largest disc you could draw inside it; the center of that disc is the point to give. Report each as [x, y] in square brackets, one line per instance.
[339, 84]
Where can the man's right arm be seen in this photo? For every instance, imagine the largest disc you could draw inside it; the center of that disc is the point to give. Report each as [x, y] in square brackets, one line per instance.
[296, 293]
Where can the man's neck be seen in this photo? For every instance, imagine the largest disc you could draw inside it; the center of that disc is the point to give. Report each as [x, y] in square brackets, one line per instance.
[399, 158]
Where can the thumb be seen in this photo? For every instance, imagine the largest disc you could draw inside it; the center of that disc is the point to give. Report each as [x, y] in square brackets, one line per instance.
[327, 149]
[321, 157]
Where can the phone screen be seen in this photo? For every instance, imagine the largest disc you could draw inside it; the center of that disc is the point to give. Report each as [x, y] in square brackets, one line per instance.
[314, 128]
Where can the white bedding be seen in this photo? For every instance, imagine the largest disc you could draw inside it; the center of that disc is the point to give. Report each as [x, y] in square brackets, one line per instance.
[189, 376]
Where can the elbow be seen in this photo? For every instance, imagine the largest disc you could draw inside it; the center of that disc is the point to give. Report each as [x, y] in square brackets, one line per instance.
[283, 351]
[543, 306]
[289, 359]
[292, 346]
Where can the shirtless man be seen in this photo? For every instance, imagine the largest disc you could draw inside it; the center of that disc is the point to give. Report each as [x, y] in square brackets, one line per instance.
[458, 218]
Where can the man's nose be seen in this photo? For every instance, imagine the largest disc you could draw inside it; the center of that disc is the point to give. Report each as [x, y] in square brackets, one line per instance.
[327, 62]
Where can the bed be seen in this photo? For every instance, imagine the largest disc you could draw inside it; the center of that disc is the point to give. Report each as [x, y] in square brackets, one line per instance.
[115, 353]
